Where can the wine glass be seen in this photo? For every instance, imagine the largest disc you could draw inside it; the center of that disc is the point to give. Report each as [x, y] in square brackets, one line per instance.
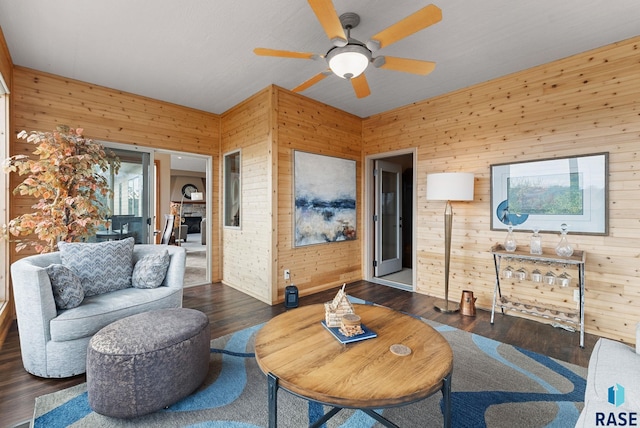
[536, 275]
[521, 273]
[564, 279]
[507, 272]
[550, 278]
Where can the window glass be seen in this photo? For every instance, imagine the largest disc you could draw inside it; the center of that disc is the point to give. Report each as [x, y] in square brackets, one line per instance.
[232, 211]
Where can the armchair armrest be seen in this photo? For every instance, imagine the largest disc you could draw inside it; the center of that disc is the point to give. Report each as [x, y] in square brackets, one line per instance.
[175, 271]
[35, 306]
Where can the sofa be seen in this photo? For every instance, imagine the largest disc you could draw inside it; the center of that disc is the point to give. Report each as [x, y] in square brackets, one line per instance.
[54, 341]
[612, 393]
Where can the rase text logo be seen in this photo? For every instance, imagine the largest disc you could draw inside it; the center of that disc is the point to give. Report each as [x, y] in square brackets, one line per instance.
[615, 397]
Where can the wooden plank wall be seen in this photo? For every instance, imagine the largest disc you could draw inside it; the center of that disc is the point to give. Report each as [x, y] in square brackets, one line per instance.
[583, 104]
[304, 124]
[6, 64]
[42, 101]
[247, 251]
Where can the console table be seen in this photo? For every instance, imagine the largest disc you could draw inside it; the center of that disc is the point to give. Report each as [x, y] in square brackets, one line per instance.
[549, 257]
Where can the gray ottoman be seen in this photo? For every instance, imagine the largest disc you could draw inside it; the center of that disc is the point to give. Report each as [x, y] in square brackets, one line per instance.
[145, 362]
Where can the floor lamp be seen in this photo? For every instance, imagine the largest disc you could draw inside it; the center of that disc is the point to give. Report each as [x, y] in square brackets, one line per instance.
[195, 196]
[449, 186]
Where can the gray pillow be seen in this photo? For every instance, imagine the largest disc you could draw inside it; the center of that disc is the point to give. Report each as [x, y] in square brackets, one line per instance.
[102, 266]
[67, 289]
[149, 271]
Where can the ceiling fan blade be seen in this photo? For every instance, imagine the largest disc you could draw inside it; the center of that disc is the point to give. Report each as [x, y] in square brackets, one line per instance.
[413, 23]
[285, 54]
[315, 79]
[361, 86]
[328, 17]
[407, 65]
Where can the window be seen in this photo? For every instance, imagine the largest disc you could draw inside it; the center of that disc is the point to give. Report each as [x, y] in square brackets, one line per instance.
[129, 204]
[232, 203]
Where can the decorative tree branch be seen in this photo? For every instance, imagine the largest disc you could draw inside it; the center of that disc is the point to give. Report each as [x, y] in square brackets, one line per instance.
[67, 178]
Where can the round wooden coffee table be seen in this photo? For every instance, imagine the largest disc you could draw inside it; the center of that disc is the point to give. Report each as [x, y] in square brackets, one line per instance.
[298, 354]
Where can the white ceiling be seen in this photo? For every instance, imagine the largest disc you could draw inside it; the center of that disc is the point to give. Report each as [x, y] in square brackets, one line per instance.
[198, 53]
[182, 162]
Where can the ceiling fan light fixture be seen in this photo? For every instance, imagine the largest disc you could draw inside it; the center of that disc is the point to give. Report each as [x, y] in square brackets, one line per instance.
[349, 61]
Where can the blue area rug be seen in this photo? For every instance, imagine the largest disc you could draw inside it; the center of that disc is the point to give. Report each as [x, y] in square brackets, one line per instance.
[494, 385]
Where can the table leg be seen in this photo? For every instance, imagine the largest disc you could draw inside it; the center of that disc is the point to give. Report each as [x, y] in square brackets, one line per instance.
[446, 398]
[272, 385]
[386, 422]
[325, 418]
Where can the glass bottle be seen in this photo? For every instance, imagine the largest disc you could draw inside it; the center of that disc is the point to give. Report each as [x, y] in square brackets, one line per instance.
[536, 242]
[510, 241]
[564, 249]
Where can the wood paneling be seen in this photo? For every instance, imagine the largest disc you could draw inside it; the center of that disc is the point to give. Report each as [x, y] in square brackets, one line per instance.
[6, 65]
[247, 251]
[307, 125]
[42, 101]
[268, 127]
[582, 104]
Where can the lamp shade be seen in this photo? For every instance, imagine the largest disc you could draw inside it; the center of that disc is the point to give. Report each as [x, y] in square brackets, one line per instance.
[348, 61]
[197, 196]
[450, 186]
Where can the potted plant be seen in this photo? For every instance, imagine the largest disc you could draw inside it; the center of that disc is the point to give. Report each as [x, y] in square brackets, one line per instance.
[67, 177]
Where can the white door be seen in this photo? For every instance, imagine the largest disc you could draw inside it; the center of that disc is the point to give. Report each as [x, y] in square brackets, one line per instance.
[387, 218]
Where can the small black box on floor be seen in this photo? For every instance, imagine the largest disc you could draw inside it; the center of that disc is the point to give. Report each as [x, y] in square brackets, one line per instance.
[291, 296]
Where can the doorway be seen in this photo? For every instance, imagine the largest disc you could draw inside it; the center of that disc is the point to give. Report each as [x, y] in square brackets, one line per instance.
[147, 187]
[181, 175]
[389, 230]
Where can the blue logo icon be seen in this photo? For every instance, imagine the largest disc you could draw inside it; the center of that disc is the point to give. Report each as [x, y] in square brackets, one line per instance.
[616, 395]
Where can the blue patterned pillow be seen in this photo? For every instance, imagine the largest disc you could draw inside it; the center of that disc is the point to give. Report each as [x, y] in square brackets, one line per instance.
[149, 271]
[66, 286]
[102, 267]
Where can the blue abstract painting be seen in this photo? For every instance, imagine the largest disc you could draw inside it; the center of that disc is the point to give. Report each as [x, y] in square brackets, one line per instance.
[325, 199]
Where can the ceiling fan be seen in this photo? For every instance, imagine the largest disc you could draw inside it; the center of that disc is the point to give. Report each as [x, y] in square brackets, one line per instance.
[349, 58]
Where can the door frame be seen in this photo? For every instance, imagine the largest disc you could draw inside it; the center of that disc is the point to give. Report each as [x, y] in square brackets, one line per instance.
[209, 207]
[384, 267]
[369, 210]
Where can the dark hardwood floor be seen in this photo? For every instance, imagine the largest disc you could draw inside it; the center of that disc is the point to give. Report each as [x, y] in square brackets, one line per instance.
[230, 310]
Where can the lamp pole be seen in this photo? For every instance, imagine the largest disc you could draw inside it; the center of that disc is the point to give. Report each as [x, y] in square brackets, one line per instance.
[448, 222]
[179, 241]
[194, 196]
[452, 186]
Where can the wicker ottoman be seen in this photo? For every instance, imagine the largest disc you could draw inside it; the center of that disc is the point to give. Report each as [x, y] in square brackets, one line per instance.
[145, 362]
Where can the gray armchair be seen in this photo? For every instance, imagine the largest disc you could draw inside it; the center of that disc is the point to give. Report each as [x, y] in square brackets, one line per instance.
[54, 342]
